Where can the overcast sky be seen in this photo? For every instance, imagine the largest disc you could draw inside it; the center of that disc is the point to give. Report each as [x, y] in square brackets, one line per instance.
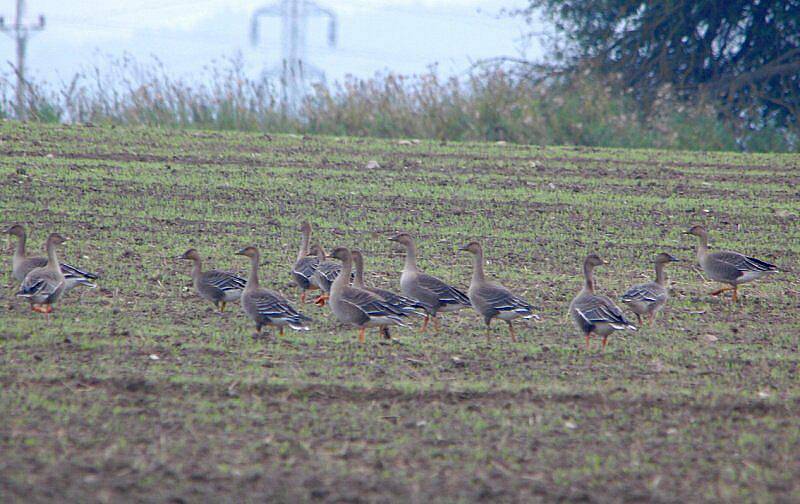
[399, 35]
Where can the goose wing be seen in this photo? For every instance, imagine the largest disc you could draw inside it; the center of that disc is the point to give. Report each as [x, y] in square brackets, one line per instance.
[446, 294]
[645, 293]
[40, 282]
[306, 267]
[403, 303]
[743, 263]
[372, 305]
[501, 299]
[224, 281]
[600, 309]
[71, 271]
[272, 305]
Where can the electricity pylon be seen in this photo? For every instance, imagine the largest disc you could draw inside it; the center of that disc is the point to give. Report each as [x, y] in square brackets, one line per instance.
[20, 31]
[294, 69]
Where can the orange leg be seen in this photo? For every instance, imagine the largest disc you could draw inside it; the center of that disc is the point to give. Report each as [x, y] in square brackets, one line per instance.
[735, 293]
[436, 325]
[303, 297]
[652, 318]
[222, 306]
[361, 337]
[281, 331]
[511, 330]
[720, 291]
[425, 323]
[321, 300]
[587, 340]
[639, 318]
[605, 340]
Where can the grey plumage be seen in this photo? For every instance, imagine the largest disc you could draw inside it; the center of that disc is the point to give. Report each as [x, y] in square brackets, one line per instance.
[595, 313]
[728, 267]
[492, 300]
[44, 286]
[649, 298]
[401, 303]
[359, 307]
[267, 307]
[305, 265]
[22, 264]
[217, 286]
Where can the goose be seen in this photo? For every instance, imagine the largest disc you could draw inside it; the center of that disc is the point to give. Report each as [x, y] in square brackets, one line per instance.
[402, 303]
[649, 298]
[306, 264]
[219, 287]
[594, 313]
[22, 263]
[43, 286]
[731, 268]
[436, 295]
[267, 307]
[359, 307]
[324, 275]
[492, 300]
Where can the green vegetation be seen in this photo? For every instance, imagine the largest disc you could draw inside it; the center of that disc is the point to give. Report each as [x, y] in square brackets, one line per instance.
[490, 104]
[140, 391]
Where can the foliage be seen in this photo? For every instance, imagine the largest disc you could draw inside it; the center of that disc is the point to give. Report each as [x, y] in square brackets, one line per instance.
[744, 53]
[492, 103]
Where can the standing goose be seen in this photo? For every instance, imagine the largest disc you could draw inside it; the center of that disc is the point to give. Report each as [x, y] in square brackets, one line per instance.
[22, 264]
[594, 313]
[492, 300]
[402, 303]
[436, 295]
[359, 307]
[43, 286]
[727, 267]
[306, 264]
[267, 307]
[219, 287]
[324, 275]
[648, 299]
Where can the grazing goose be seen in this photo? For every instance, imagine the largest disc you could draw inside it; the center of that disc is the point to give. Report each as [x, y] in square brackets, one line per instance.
[219, 287]
[359, 307]
[436, 295]
[727, 267]
[594, 313]
[402, 303]
[492, 300]
[22, 263]
[43, 286]
[267, 307]
[648, 299]
[306, 264]
[324, 275]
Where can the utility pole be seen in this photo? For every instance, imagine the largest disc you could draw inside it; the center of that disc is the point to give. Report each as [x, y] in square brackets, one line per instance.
[20, 32]
[294, 67]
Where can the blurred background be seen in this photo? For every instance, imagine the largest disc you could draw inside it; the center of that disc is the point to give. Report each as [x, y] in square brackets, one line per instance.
[660, 73]
[404, 36]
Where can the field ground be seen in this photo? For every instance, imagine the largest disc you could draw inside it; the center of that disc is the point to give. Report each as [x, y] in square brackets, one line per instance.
[140, 391]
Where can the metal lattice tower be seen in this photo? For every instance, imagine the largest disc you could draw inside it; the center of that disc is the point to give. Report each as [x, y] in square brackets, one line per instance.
[20, 31]
[294, 69]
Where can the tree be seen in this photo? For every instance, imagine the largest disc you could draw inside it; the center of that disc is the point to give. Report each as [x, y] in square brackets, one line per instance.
[744, 53]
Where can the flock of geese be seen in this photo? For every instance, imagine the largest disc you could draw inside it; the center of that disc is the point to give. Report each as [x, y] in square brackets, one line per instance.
[44, 280]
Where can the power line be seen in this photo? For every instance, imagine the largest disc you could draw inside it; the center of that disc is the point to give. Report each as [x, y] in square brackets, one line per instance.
[294, 67]
[20, 31]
